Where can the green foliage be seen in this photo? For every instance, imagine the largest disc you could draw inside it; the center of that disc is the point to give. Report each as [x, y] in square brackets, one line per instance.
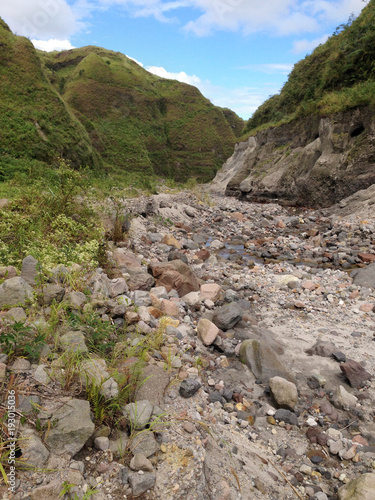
[49, 221]
[337, 76]
[17, 340]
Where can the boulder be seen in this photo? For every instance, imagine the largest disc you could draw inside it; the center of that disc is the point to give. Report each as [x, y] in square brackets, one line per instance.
[72, 427]
[354, 372]
[51, 293]
[8, 272]
[211, 291]
[75, 300]
[140, 280]
[174, 275]
[73, 341]
[361, 488]
[227, 316]
[15, 292]
[365, 276]
[29, 270]
[118, 287]
[263, 361]
[50, 491]
[207, 331]
[284, 392]
[171, 241]
[16, 314]
[138, 413]
[343, 398]
[125, 259]
[140, 483]
[153, 384]
[33, 450]
[144, 442]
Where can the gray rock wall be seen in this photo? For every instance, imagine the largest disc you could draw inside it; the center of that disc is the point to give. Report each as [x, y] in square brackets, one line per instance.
[312, 161]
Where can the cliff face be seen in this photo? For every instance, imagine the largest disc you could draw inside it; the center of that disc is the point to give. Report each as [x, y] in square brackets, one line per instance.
[312, 161]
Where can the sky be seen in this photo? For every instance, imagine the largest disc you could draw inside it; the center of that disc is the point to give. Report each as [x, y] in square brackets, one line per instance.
[237, 52]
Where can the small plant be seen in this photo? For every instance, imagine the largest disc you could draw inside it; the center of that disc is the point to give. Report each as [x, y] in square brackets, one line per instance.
[18, 339]
[66, 490]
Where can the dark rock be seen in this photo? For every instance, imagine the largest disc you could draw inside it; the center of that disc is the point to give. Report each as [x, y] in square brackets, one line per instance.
[322, 348]
[140, 483]
[355, 373]
[286, 416]
[316, 460]
[124, 475]
[175, 254]
[189, 387]
[227, 316]
[339, 356]
[215, 396]
[365, 276]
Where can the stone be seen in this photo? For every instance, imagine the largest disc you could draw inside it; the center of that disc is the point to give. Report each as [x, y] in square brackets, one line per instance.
[189, 387]
[361, 488]
[140, 462]
[153, 383]
[344, 399]
[71, 428]
[101, 443]
[170, 240]
[118, 286]
[15, 292]
[354, 372]
[3, 371]
[29, 270]
[119, 445]
[140, 280]
[141, 483]
[50, 491]
[33, 450]
[20, 365]
[227, 316]
[217, 245]
[73, 341]
[202, 254]
[176, 255]
[75, 300]
[170, 308]
[144, 442]
[40, 375]
[138, 413]
[192, 298]
[16, 314]
[284, 392]
[211, 291]
[7, 272]
[207, 331]
[263, 361]
[365, 276]
[366, 257]
[94, 372]
[174, 275]
[322, 348]
[142, 298]
[125, 259]
[286, 416]
[51, 293]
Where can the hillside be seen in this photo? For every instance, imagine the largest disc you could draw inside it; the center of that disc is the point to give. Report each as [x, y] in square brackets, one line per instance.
[314, 143]
[98, 108]
[339, 75]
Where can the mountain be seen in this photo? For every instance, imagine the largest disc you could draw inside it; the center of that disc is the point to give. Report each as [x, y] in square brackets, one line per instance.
[314, 143]
[100, 109]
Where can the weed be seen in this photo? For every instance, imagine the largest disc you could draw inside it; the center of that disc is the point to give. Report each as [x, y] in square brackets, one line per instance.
[18, 339]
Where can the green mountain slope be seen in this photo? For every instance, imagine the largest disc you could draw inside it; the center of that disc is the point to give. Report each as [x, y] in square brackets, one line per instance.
[100, 109]
[339, 75]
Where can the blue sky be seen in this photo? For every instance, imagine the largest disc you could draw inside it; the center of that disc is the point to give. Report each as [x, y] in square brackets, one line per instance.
[237, 52]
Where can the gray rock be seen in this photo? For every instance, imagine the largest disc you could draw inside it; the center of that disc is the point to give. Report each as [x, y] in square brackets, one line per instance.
[33, 450]
[40, 375]
[93, 372]
[322, 348]
[29, 270]
[140, 462]
[284, 392]
[192, 298]
[101, 443]
[8, 272]
[227, 316]
[140, 483]
[51, 293]
[140, 281]
[73, 341]
[365, 277]
[75, 300]
[263, 361]
[153, 384]
[142, 298]
[119, 445]
[144, 442]
[189, 387]
[20, 365]
[286, 416]
[139, 413]
[16, 314]
[15, 292]
[343, 398]
[124, 475]
[361, 488]
[26, 404]
[72, 427]
[118, 287]
[50, 491]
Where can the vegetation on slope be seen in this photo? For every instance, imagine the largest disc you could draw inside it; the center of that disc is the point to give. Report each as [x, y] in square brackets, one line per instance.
[337, 76]
[98, 108]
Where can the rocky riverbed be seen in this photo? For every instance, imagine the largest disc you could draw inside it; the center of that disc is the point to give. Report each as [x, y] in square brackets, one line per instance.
[263, 386]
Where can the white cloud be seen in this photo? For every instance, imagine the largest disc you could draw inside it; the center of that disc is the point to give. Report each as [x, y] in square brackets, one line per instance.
[243, 100]
[271, 69]
[305, 46]
[52, 44]
[135, 60]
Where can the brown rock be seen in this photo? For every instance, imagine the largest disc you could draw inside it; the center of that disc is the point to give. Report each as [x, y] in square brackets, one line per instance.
[202, 254]
[280, 224]
[170, 308]
[126, 258]
[207, 331]
[237, 216]
[155, 312]
[354, 372]
[366, 307]
[360, 440]
[211, 291]
[174, 275]
[170, 240]
[366, 257]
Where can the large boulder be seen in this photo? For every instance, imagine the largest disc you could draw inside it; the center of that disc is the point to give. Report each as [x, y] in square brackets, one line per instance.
[365, 276]
[284, 392]
[15, 292]
[174, 275]
[139, 280]
[29, 270]
[226, 317]
[72, 427]
[263, 361]
[361, 488]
